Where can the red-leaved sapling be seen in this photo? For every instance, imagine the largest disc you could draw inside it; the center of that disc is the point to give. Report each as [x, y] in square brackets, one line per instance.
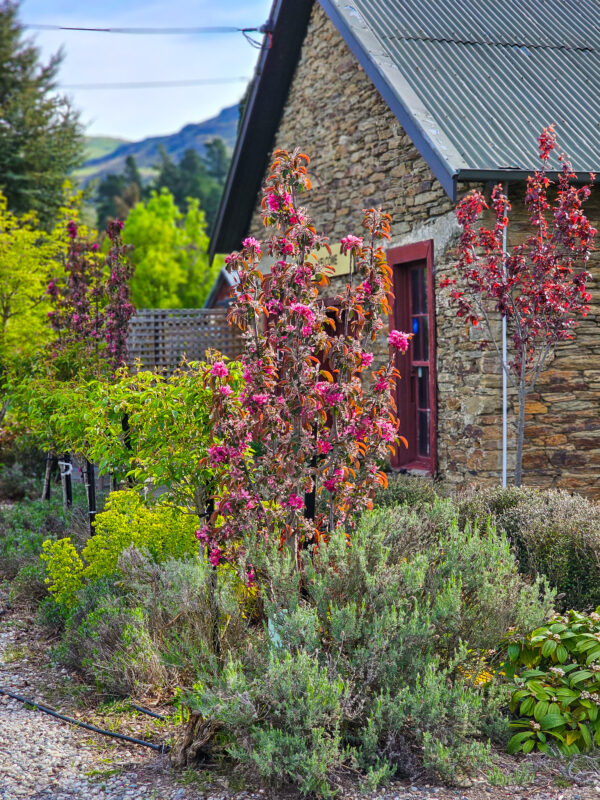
[536, 285]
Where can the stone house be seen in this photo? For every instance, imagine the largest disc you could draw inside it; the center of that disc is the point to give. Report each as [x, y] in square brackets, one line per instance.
[408, 105]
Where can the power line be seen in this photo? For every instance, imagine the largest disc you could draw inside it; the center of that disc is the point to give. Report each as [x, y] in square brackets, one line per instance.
[165, 31]
[149, 31]
[153, 84]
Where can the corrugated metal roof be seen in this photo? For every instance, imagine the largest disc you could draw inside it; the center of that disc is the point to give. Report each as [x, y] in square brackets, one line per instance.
[481, 79]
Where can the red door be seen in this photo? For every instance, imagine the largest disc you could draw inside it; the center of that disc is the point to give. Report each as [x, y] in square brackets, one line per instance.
[415, 392]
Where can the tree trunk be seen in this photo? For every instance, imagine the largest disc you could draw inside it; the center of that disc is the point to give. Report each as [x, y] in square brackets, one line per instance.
[520, 438]
[212, 595]
[47, 475]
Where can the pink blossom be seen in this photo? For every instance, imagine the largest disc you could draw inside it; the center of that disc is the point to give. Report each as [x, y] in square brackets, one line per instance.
[202, 534]
[215, 556]
[304, 311]
[295, 501]
[400, 340]
[382, 385]
[260, 399]
[332, 483]
[250, 575]
[226, 391]
[366, 287]
[323, 447]
[366, 359]
[253, 246]
[219, 369]
[273, 201]
[388, 432]
[306, 330]
[351, 243]
[330, 392]
[217, 453]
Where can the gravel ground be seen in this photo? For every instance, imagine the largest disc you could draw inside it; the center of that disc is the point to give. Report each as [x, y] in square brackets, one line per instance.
[42, 758]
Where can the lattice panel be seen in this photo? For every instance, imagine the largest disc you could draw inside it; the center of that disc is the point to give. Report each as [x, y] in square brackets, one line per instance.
[160, 338]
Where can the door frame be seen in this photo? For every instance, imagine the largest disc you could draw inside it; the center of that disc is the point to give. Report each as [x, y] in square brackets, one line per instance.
[398, 257]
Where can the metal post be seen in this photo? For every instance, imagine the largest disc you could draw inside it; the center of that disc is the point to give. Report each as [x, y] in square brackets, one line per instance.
[504, 368]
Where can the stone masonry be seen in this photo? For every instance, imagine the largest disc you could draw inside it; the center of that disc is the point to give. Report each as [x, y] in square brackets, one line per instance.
[361, 157]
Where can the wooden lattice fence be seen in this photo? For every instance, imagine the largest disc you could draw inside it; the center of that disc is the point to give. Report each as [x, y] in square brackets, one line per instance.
[160, 338]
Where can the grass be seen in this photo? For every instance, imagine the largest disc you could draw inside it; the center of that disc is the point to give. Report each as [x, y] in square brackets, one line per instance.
[15, 652]
[521, 776]
[99, 146]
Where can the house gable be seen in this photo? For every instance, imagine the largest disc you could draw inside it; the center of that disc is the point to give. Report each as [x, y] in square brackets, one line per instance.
[360, 155]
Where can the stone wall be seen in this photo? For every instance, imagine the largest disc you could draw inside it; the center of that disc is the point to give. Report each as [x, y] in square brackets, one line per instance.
[361, 157]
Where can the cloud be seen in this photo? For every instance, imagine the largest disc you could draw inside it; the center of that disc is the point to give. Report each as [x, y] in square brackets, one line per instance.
[105, 58]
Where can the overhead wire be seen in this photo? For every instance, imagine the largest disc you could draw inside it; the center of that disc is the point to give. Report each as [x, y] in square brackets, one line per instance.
[186, 31]
[150, 31]
[153, 84]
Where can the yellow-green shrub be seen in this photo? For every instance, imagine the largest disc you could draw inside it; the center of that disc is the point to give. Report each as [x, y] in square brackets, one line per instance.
[164, 532]
[64, 570]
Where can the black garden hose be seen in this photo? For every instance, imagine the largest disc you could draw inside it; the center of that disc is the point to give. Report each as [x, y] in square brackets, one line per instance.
[146, 711]
[160, 747]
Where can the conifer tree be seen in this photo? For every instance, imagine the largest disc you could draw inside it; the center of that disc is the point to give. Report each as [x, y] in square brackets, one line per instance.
[40, 134]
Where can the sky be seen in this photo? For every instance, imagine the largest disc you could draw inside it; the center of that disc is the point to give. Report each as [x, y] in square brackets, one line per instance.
[110, 58]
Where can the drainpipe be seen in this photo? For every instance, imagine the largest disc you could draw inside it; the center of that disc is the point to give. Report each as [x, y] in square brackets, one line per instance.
[504, 368]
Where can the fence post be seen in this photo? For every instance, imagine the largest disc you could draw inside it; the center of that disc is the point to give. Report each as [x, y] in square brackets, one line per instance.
[90, 477]
[66, 469]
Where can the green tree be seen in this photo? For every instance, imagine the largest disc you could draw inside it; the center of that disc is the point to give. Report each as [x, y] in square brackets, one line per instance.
[217, 159]
[116, 195]
[170, 255]
[40, 135]
[190, 179]
[28, 257]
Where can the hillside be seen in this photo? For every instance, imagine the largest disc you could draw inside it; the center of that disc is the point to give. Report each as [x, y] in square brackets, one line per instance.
[100, 146]
[146, 152]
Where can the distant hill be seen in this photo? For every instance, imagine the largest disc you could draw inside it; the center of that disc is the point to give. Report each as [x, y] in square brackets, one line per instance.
[146, 152]
[100, 146]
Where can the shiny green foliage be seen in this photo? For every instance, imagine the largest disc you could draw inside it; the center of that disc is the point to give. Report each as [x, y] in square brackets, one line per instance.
[555, 673]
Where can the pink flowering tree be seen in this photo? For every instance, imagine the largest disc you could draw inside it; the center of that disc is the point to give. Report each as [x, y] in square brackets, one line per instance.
[536, 285]
[302, 453]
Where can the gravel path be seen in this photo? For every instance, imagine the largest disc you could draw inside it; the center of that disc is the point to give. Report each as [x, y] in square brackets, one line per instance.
[42, 758]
